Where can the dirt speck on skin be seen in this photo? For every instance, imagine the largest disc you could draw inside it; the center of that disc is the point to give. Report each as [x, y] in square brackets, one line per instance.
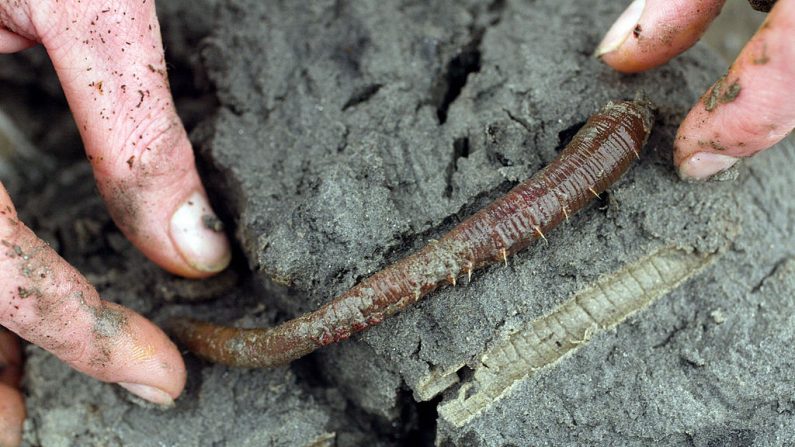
[668, 34]
[713, 144]
[24, 293]
[721, 93]
[711, 98]
[110, 321]
[213, 223]
[122, 207]
[731, 92]
[762, 57]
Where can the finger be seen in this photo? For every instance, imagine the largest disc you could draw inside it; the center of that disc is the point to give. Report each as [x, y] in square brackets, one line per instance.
[109, 58]
[651, 32]
[11, 42]
[10, 358]
[12, 415]
[12, 407]
[749, 109]
[47, 302]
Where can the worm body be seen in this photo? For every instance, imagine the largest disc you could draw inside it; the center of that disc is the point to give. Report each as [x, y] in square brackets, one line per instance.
[596, 157]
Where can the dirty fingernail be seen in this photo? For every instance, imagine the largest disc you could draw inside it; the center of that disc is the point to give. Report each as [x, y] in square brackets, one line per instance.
[149, 393]
[199, 235]
[621, 29]
[702, 165]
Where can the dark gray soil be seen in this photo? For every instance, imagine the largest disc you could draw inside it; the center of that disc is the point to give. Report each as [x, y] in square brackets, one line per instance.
[349, 133]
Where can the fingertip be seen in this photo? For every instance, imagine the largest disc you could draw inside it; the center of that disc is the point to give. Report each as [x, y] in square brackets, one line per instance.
[51, 305]
[167, 214]
[149, 393]
[651, 32]
[199, 236]
[703, 165]
[621, 29]
[147, 363]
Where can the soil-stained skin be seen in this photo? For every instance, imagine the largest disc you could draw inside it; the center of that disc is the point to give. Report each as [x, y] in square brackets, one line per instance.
[597, 156]
[49, 302]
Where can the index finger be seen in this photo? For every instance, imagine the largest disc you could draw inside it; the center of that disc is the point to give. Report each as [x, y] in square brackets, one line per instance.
[47, 302]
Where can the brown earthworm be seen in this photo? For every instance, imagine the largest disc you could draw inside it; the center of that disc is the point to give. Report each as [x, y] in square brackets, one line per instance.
[597, 156]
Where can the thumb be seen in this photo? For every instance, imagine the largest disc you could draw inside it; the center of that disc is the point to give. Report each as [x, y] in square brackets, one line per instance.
[111, 65]
[651, 32]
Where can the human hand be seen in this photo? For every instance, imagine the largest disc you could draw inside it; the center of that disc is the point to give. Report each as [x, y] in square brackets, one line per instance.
[109, 58]
[746, 111]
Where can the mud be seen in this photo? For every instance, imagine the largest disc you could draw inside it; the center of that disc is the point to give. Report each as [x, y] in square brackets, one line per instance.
[332, 153]
[720, 93]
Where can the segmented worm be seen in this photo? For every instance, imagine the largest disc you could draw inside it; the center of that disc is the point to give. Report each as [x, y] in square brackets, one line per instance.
[596, 157]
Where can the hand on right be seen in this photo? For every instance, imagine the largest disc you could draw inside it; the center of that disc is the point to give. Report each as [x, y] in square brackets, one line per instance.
[746, 111]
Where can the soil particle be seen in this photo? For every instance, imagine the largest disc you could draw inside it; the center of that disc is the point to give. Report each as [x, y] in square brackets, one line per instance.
[110, 321]
[668, 34]
[713, 144]
[720, 93]
[213, 223]
[24, 293]
[762, 57]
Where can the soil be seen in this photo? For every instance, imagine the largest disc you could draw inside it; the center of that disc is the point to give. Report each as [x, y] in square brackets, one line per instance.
[335, 137]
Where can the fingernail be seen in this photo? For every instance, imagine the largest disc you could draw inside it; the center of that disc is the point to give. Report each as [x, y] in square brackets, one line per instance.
[149, 393]
[622, 28]
[199, 235]
[702, 165]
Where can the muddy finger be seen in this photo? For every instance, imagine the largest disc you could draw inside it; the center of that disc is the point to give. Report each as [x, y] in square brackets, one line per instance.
[749, 109]
[109, 58]
[47, 302]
